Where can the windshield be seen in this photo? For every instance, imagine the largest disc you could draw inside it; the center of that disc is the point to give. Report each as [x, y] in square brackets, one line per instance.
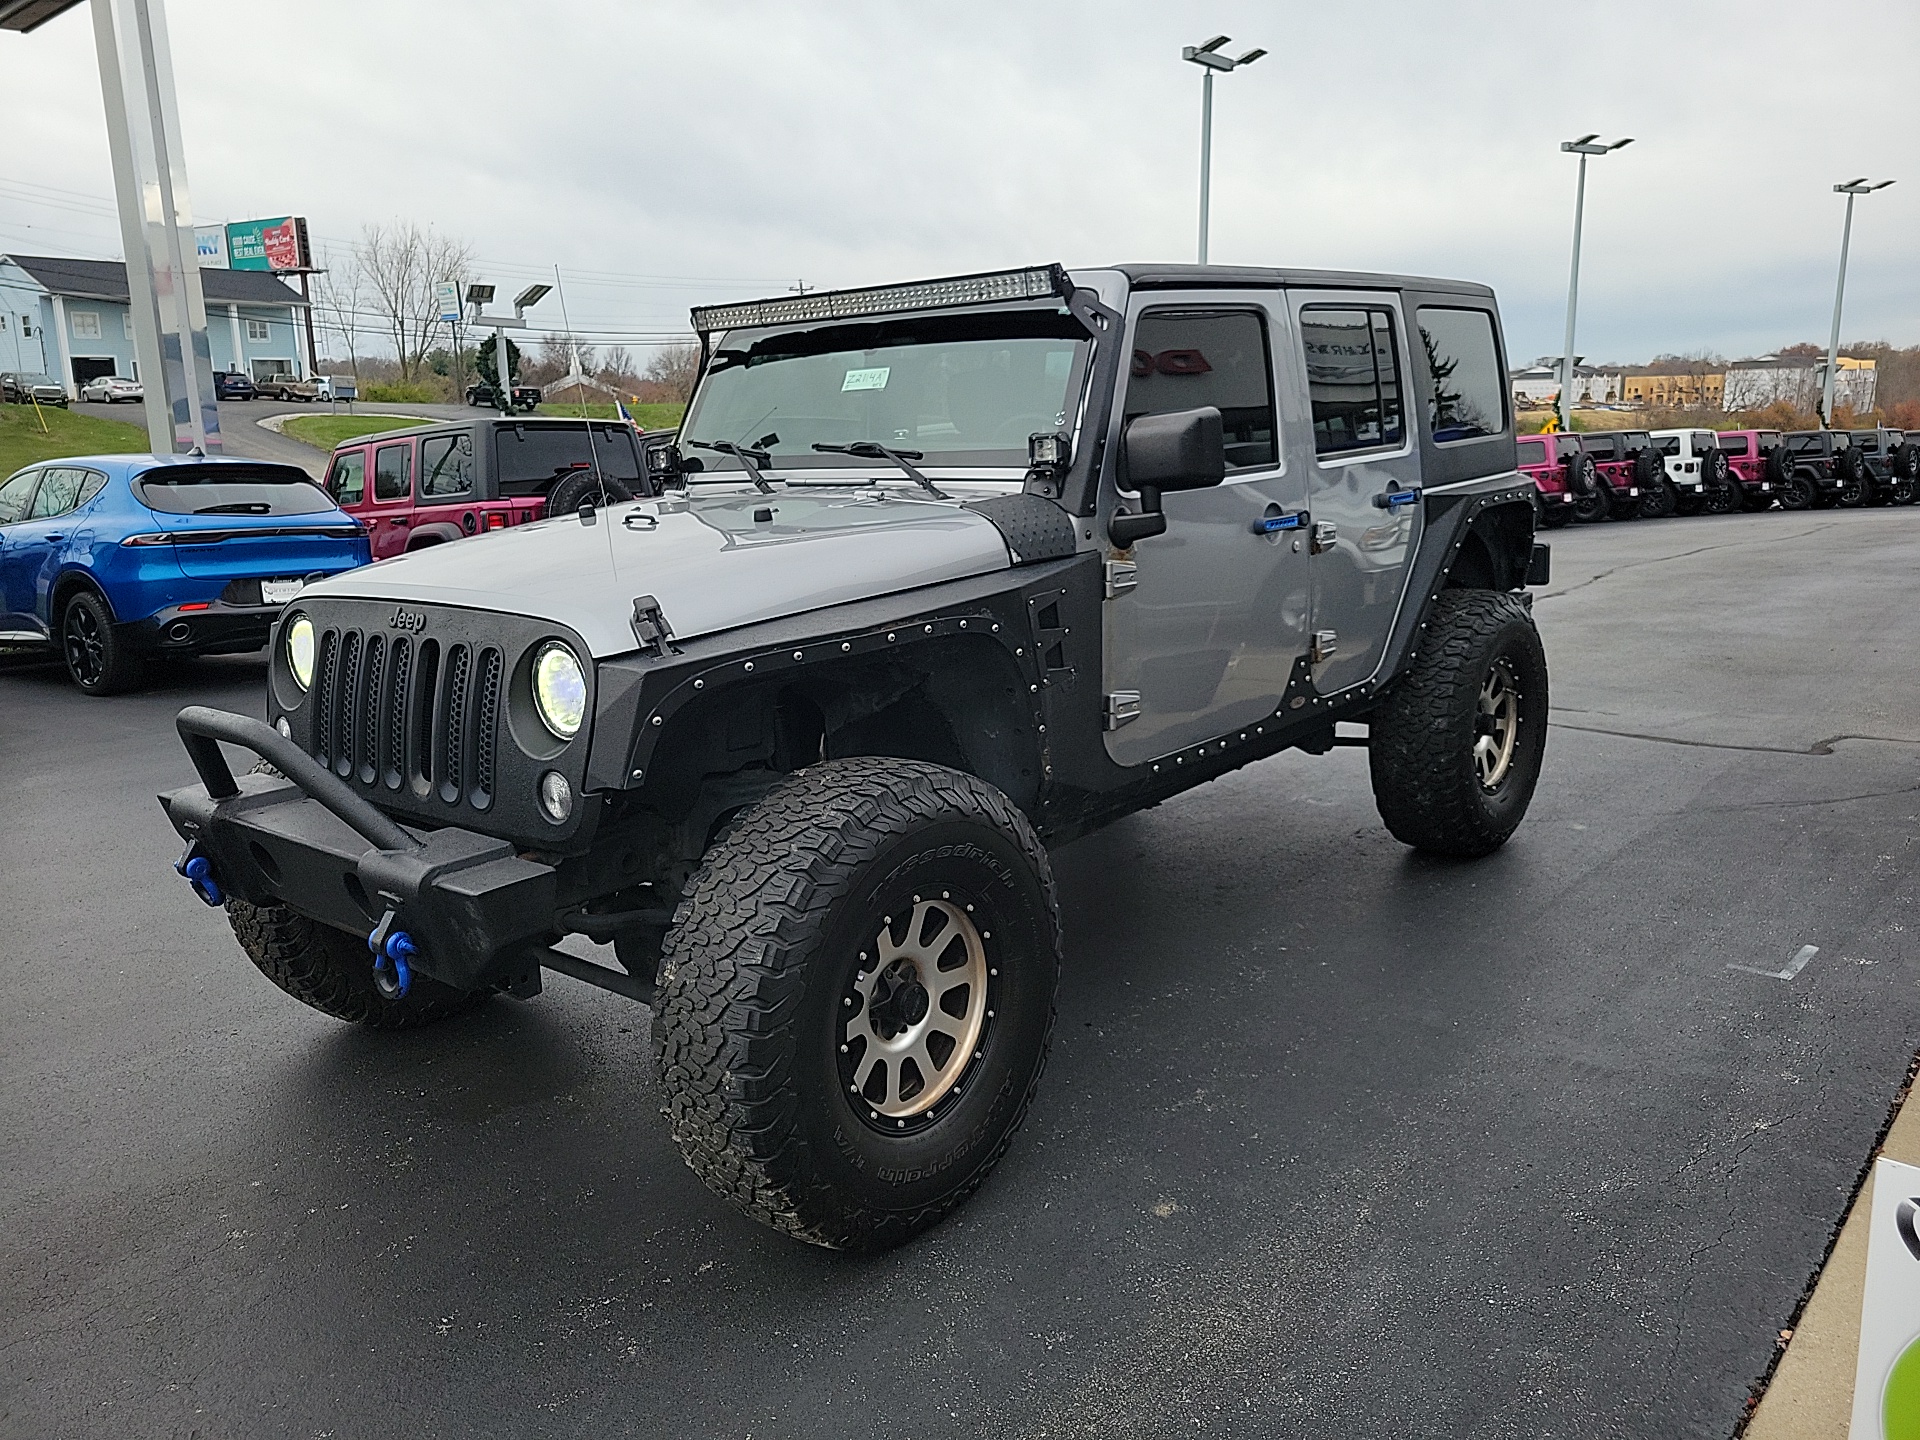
[231, 490]
[958, 389]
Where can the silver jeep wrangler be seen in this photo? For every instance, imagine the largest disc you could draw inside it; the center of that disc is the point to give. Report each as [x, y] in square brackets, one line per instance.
[932, 576]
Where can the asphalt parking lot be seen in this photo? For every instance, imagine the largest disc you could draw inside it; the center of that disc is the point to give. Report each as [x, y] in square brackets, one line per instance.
[1336, 1141]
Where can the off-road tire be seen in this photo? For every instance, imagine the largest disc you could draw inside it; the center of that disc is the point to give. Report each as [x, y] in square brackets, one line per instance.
[333, 971]
[1716, 470]
[583, 487]
[97, 661]
[1593, 497]
[1726, 499]
[1900, 491]
[1798, 492]
[1659, 501]
[1421, 740]
[1780, 467]
[756, 973]
[1856, 483]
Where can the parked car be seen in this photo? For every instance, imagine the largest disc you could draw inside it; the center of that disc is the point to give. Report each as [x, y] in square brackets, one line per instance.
[287, 386]
[1827, 470]
[466, 477]
[1759, 466]
[232, 385]
[793, 734]
[1695, 468]
[483, 395]
[27, 387]
[112, 389]
[1629, 469]
[1562, 473]
[1893, 465]
[113, 559]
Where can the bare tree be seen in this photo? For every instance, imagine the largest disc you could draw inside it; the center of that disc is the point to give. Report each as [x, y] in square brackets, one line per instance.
[675, 368]
[616, 367]
[338, 299]
[403, 264]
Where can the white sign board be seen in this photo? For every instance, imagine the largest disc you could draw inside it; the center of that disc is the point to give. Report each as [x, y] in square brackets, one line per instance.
[210, 244]
[1886, 1386]
[448, 295]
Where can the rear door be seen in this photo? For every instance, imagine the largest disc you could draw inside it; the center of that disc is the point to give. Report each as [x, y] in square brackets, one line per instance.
[16, 583]
[35, 544]
[446, 501]
[1363, 469]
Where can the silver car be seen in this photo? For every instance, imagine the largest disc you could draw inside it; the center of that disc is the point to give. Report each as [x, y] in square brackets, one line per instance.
[112, 389]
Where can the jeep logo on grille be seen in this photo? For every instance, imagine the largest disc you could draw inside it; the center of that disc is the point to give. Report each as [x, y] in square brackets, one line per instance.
[407, 620]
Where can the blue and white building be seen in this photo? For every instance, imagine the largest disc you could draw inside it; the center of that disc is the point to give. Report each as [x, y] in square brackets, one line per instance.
[71, 319]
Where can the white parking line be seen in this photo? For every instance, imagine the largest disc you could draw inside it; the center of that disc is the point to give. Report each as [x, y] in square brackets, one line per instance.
[1793, 966]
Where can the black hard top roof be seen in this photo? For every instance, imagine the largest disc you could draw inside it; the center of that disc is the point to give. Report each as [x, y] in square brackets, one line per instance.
[536, 422]
[1189, 277]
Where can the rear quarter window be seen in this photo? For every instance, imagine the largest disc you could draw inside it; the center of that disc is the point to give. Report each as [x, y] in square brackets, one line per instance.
[230, 490]
[1466, 393]
[1532, 452]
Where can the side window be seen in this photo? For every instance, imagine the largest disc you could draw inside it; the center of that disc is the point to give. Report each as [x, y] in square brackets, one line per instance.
[1466, 398]
[1531, 452]
[59, 492]
[15, 494]
[1353, 378]
[347, 481]
[1667, 444]
[446, 465]
[392, 472]
[1183, 359]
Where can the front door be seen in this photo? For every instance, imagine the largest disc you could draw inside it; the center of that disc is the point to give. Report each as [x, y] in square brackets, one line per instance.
[1203, 641]
[1363, 475]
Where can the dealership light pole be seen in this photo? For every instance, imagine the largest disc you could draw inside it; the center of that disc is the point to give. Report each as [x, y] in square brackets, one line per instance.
[1849, 189]
[1207, 56]
[1583, 147]
[478, 298]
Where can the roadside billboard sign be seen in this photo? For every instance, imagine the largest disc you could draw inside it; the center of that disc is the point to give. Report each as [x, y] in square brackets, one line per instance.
[1886, 1387]
[448, 294]
[276, 244]
[210, 245]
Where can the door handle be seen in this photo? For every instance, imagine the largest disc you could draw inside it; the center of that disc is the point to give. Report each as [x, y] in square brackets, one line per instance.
[1394, 499]
[398, 520]
[1273, 524]
[54, 538]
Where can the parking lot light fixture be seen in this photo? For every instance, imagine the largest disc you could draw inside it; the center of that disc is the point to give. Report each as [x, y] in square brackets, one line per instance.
[1583, 147]
[1209, 59]
[1848, 188]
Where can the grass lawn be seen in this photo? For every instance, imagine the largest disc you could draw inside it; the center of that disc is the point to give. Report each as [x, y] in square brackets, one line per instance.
[22, 442]
[323, 432]
[650, 417]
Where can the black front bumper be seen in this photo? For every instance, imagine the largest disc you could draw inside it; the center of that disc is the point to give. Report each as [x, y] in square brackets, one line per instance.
[477, 912]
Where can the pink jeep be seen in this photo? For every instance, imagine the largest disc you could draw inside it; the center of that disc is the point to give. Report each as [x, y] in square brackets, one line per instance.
[1561, 472]
[1757, 464]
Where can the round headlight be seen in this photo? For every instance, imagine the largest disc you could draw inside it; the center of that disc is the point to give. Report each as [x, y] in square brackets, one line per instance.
[300, 650]
[559, 689]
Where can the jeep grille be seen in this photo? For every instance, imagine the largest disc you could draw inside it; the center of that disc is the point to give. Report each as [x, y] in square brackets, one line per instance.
[393, 712]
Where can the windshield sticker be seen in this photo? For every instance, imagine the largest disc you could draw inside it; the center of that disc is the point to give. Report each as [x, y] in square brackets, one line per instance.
[875, 379]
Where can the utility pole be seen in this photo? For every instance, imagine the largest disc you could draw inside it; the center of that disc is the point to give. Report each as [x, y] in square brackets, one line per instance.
[1583, 147]
[1849, 189]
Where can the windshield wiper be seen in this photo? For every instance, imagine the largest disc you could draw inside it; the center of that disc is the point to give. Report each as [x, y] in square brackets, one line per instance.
[238, 507]
[750, 459]
[867, 450]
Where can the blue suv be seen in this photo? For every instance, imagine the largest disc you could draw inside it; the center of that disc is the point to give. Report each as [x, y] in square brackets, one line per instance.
[112, 559]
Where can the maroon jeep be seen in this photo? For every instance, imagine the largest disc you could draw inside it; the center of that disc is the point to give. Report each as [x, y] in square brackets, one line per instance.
[1561, 472]
[1758, 468]
[436, 483]
[1630, 468]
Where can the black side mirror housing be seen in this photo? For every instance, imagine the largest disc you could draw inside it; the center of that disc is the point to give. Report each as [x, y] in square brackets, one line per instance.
[1180, 450]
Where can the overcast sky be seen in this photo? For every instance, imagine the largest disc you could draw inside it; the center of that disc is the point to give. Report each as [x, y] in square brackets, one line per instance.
[666, 155]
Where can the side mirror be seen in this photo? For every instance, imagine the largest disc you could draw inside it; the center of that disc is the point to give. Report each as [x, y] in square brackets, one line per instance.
[1181, 450]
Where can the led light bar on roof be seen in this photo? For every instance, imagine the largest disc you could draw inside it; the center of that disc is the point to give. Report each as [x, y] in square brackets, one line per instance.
[1037, 283]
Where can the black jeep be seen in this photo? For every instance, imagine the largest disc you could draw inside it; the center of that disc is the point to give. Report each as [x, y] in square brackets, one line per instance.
[1893, 464]
[1827, 470]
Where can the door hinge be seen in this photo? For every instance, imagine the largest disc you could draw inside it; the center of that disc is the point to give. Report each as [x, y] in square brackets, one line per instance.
[1123, 707]
[1325, 532]
[1122, 576]
[1325, 642]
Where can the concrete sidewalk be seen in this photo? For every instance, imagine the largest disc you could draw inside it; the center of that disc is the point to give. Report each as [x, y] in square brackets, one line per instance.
[1810, 1395]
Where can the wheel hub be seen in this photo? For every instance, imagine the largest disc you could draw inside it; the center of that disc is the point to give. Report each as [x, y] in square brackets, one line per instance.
[1496, 725]
[916, 1012]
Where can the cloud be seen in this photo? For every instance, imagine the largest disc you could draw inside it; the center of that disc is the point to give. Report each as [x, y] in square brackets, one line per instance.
[665, 155]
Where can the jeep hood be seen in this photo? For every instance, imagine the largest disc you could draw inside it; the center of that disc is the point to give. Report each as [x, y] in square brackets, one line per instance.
[706, 558]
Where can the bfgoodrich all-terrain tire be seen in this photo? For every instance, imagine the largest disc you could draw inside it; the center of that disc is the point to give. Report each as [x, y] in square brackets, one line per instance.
[857, 912]
[333, 971]
[1456, 749]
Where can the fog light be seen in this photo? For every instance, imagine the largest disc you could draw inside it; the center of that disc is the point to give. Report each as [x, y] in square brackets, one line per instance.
[556, 797]
[286, 730]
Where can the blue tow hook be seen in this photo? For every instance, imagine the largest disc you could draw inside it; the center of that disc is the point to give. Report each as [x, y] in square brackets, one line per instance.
[198, 870]
[392, 949]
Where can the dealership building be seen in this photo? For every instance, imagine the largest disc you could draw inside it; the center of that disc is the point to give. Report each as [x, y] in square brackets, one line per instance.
[71, 319]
